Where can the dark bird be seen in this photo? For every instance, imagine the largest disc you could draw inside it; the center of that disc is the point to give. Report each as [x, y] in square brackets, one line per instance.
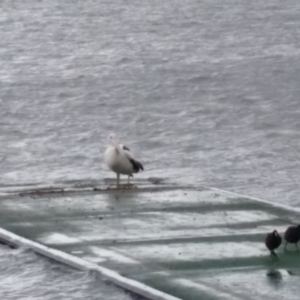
[273, 241]
[292, 236]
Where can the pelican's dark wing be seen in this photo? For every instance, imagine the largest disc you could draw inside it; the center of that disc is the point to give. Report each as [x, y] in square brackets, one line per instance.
[137, 166]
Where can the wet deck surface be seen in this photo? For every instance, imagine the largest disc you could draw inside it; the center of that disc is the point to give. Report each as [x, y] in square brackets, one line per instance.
[193, 244]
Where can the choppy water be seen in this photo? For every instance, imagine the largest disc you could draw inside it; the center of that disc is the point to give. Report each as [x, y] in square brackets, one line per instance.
[204, 92]
[26, 276]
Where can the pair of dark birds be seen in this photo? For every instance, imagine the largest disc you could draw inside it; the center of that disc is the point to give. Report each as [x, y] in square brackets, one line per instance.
[291, 235]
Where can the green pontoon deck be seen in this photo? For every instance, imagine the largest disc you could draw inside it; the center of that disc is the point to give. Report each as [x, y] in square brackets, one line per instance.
[188, 243]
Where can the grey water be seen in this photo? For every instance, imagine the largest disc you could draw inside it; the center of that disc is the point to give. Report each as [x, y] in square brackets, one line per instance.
[203, 92]
[24, 275]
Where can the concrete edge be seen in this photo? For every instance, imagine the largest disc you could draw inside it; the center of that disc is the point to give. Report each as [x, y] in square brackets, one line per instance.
[278, 205]
[78, 263]
[102, 190]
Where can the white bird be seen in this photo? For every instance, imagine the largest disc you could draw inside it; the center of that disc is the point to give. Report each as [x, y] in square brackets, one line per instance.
[120, 160]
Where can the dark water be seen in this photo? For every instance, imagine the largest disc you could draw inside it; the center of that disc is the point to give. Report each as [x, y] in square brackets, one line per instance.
[204, 92]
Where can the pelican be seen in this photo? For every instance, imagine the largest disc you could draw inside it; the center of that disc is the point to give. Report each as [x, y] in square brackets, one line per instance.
[120, 160]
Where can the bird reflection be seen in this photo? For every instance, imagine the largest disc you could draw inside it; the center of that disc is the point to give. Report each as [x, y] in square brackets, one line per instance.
[274, 277]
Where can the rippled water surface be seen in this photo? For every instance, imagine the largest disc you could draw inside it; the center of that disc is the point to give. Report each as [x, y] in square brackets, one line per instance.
[204, 92]
[26, 276]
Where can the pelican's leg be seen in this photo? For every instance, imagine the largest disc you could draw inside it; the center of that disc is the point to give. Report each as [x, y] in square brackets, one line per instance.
[128, 179]
[285, 246]
[118, 180]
